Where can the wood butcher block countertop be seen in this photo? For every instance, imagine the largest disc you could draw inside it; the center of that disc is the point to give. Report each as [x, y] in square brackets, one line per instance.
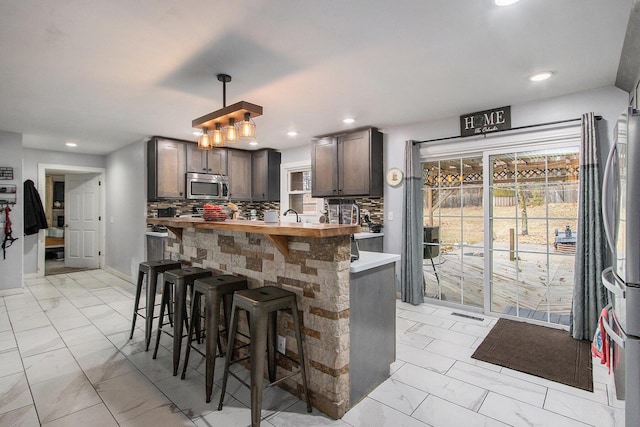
[277, 233]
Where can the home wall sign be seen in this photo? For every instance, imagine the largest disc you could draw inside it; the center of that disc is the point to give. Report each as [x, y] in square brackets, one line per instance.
[487, 121]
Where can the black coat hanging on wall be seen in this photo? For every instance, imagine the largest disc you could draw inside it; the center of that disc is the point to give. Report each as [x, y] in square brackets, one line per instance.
[34, 216]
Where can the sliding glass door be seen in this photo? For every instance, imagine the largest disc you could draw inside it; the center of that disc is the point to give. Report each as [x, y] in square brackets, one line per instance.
[500, 231]
[533, 225]
[453, 230]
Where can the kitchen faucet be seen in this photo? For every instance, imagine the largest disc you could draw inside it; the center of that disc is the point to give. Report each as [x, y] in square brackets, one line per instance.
[292, 210]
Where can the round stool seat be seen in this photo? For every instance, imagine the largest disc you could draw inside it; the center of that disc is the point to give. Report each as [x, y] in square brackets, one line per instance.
[224, 283]
[188, 273]
[268, 298]
[160, 264]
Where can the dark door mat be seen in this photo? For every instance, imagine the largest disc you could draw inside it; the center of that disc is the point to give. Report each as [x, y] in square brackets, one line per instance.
[538, 350]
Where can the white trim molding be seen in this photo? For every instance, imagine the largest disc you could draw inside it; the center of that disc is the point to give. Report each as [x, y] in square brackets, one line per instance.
[43, 169]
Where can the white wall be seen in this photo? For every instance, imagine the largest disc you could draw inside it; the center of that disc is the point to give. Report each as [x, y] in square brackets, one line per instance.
[607, 102]
[11, 267]
[297, 154]
[126, 196]
[31, 159]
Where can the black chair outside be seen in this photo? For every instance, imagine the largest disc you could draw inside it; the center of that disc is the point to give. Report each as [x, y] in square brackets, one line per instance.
[431, 246]
[150, 270]
[217, 292]
[262, 306]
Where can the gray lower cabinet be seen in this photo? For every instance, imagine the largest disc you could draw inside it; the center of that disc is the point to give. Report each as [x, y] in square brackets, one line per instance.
[371, 244]
[348, 165]
[165, 169]
[212, 161]
[265, 175]
[239, 165]
[155, 246]
[372, 311]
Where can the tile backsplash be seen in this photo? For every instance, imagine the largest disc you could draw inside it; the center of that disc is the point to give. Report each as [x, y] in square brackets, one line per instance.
[374, 207]
[184, 207]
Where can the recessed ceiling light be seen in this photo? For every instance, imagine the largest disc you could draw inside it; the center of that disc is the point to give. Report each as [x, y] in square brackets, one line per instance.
[197, 132]
[253, 143]
[538, 77]
[292, 133]
[71, 144]
[348, 121]
[505, 2]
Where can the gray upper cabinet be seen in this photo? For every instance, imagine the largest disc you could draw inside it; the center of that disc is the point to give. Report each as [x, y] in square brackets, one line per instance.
[348, 165]
[239, 165]
[324, 167]
[165, 169]
[212, 161]
[265, 175]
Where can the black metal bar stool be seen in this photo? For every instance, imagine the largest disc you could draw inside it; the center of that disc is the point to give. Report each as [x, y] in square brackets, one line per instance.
[215, 290]
[179, 280]
[150, 270]
[262, 306]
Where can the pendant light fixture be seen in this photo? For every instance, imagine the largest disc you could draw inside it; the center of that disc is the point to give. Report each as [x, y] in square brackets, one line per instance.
[247, 127]
[204, 142]
[237, 117]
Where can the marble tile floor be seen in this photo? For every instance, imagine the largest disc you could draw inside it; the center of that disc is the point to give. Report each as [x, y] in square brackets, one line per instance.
[66, 360]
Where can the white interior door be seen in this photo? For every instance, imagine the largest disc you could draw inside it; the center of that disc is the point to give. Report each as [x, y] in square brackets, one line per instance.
[82, 222]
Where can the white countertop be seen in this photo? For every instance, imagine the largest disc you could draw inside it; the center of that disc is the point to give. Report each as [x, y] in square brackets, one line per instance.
[370, 260]
[366, 235]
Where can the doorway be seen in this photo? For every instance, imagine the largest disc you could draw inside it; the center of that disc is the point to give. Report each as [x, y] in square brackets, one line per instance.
[54, 235]
[500, 230]
[69, 246]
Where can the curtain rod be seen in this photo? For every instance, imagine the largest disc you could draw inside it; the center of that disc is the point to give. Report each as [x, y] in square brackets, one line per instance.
[506, 130]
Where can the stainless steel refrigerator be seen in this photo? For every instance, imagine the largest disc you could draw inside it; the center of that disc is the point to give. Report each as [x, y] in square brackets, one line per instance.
[621, 215]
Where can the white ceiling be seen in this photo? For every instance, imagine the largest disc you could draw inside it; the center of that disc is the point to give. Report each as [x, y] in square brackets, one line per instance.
[108, 73]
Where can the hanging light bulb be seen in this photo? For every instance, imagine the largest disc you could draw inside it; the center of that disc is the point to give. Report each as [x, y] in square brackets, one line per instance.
[215, 136]
[247, 127]
[204, 142]
[230, 132]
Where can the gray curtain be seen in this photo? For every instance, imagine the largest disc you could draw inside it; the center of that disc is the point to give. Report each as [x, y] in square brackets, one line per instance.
[411, 278]
[589, 295]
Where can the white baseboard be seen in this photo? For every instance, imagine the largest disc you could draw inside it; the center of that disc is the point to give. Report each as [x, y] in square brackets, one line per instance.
[117, 273]
[32, 276]
[12, 291]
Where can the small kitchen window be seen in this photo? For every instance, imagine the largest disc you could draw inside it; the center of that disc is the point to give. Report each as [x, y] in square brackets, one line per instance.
[298, 194]
[300, 198]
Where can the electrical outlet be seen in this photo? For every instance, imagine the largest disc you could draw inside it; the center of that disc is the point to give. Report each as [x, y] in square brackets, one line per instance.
[282, 344]
[390, 215]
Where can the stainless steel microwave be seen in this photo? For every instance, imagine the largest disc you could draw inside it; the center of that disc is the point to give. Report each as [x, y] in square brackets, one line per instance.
[207, 186]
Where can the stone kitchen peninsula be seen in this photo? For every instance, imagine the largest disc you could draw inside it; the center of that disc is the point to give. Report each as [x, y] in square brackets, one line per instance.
[312, 260]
